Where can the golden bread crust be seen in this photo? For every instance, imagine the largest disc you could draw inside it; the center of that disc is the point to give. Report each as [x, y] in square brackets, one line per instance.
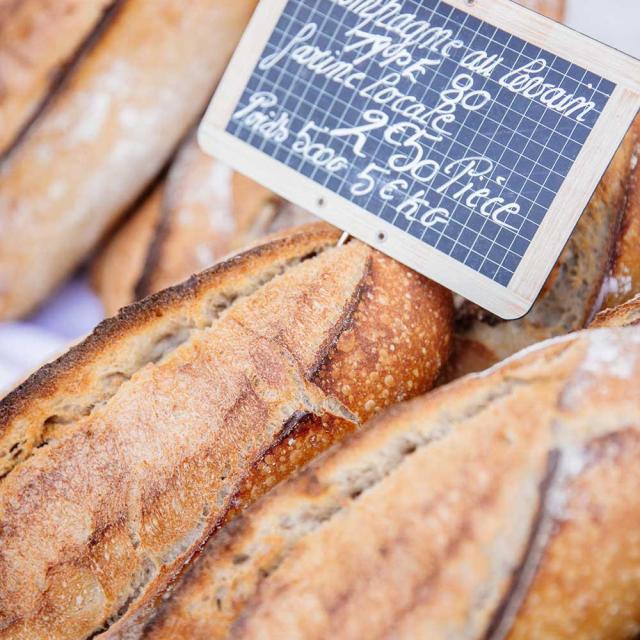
[268, 344]
[137, 335]
[473, 512]
[624, 278]
[624, 315]
[206, 212]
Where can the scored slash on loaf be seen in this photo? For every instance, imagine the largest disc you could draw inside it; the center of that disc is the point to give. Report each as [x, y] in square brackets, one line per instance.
[39, 41]
[211, 462]
[105, 133]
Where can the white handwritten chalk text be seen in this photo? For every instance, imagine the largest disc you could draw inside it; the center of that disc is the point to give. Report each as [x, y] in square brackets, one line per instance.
[386, 52]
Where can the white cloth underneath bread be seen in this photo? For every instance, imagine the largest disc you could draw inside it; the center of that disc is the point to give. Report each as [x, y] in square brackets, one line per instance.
[24, 346]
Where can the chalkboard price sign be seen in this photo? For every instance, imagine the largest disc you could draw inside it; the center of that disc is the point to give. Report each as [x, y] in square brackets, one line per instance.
[462, 138]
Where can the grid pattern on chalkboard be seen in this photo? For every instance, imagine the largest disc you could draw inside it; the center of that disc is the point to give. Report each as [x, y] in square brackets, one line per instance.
[533, 148]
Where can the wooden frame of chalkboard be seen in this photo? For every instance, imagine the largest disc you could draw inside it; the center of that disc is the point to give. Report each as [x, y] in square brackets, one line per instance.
[529, 276]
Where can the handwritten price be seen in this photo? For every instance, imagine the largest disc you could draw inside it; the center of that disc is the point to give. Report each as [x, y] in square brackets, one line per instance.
[387, 154]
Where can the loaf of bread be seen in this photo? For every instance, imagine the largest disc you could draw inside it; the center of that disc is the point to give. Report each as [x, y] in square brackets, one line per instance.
[119, 460]
[111, 125]
[502, 506]
[39, 40]
[204, 212]
[579, 283]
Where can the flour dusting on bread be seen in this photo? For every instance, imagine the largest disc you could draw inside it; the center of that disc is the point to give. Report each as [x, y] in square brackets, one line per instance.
[611, 354]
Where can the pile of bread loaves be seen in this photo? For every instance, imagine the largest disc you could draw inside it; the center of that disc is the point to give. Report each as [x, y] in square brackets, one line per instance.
[253, 451]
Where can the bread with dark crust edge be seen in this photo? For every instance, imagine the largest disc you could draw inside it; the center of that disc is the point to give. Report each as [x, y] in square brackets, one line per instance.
[502, 506]
[187, 407]
[198, 219]
[137, 335]
[624, 315]
[105, 134]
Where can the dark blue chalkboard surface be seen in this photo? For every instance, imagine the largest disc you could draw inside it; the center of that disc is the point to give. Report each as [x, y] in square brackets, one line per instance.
[452, 130]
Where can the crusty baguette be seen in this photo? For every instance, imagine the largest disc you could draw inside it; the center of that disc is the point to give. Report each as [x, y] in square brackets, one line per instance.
[39, 39]
[205, 212]
[624, 315]
[573, 293]
[502, 506]
[108, 130]
[121, 458]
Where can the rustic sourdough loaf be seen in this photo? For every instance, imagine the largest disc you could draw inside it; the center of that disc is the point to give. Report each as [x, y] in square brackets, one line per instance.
[502, 506]
[122, 458]
[574, 292]
[204, 212]
[39, 40]
[109, 128]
